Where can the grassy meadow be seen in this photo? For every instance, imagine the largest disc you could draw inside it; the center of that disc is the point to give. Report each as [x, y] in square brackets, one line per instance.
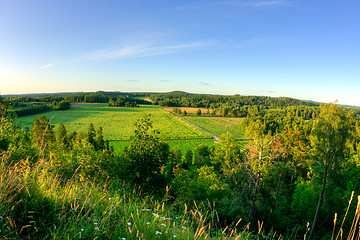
[219, 125]
[183, 145]
[118, 123]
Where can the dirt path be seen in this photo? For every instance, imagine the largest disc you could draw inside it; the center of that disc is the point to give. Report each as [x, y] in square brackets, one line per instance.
[213, 135]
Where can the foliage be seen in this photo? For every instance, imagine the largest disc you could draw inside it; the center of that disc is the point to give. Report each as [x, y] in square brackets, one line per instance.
[126, 102]
[147, 157]
[238, 106]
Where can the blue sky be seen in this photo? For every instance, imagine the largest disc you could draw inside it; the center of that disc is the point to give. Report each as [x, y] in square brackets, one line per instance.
[301, 49]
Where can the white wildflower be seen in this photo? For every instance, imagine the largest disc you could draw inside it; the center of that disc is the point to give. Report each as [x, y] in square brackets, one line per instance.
[163, 224]
[97, 228]
[123, 238]
[157, 232]
[129, 223]
[109, 198]
[1, 217]
[146, 209]
[174, 236]
[148, 223]
[95, 223]
[183, 227]
[82, 229]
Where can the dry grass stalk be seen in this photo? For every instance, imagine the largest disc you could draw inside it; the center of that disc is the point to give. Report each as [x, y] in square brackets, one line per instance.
[347, 210]
[355, 222]
[335, 218]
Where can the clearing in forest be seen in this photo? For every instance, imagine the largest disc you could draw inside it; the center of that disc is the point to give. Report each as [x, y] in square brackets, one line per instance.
[219, 125]
[118, 123]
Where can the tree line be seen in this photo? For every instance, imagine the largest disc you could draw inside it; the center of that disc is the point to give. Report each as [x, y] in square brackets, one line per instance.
[236, 105]
[34, 104]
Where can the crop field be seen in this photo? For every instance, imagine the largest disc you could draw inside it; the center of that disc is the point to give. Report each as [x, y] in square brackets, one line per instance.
[219, 125]
[118, 123]
[182, 145]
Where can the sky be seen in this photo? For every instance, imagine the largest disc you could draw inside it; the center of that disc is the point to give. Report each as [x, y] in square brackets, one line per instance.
[301, 49]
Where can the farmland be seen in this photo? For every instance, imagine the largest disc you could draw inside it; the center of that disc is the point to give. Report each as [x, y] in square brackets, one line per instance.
[223, 173]
[219, 125]
[118, 123]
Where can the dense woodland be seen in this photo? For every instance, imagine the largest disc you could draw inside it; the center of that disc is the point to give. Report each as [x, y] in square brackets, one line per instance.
[236, 105]
[299, 168]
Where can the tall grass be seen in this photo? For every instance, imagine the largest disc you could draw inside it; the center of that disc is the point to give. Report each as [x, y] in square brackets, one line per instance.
[354, 231]
[37, 203]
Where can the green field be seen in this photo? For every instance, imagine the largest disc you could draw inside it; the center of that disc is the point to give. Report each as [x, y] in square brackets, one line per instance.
[219, 125]
[118, 123]
[183, 145]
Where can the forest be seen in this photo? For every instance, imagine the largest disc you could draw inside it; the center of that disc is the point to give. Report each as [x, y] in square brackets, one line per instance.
[292, 179]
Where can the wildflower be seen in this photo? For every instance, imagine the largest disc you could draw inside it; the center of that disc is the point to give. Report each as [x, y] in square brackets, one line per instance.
[157, 232]
[129, 223]
[1, 217]
[183, 227]
[97, 228]
[109, 198]
[146, 209]
[156, 215]
[174, 236]
[163, 224]
[148, 223]
[82, 229]
[123, 238]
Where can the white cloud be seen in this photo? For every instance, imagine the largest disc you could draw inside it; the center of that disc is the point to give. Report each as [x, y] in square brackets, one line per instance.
[267, 3]
[253, 4]
[204, 83]
[46, 66]
[141, 50]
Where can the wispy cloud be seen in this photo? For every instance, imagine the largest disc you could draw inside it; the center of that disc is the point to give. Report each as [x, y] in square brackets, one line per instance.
[262, 91]
[268, 3]
[139, 51]
[204, 83]
[251, 4]
[252, 42]
[46, 66]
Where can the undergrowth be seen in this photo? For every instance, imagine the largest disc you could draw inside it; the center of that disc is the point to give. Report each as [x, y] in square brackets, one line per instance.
[37, 203]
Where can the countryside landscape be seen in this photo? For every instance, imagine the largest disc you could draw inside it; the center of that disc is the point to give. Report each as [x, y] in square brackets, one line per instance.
[115, 165]
[191, 119]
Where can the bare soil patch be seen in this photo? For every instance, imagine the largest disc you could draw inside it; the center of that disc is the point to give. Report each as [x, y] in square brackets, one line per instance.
[189, 110]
